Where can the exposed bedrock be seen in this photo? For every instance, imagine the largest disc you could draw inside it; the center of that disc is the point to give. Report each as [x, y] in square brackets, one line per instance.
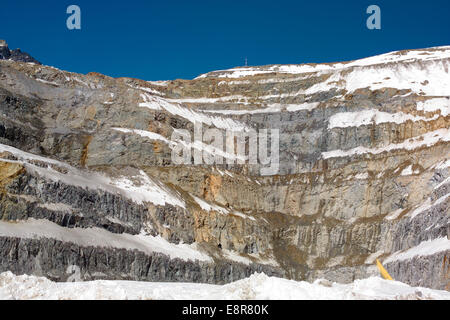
[64, 261]
[363, 173]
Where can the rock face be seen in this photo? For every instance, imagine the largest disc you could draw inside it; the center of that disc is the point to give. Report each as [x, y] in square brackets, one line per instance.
[90, 188]
[15, 55]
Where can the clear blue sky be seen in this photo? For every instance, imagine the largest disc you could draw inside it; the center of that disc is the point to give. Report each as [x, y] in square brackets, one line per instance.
[169, 39]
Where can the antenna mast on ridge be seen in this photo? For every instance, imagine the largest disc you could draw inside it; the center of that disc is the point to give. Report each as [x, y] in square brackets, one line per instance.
[246, 62]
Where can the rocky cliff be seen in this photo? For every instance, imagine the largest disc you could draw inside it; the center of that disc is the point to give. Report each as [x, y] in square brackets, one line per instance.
[90, 188]
[15, 55]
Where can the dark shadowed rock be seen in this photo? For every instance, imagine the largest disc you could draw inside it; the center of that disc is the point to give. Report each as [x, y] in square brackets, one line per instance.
[15, 55]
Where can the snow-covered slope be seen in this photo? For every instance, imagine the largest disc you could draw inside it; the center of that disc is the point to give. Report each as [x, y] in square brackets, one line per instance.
[256, 287]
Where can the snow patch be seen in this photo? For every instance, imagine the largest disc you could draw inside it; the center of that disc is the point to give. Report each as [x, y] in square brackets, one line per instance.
[147, 134]
[47, 82]
[426, 140]
[209, 207]
[408, 171]
[394, 214]
[156, 103]
[427, 205]
[372, 116]
[425, 248]
[212, 207]
[139, 187]
[98, 237]
[433, 105]
[304, 106]
[256, 287]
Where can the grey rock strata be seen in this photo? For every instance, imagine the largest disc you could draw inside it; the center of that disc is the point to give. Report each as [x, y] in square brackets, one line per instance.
[344, 195]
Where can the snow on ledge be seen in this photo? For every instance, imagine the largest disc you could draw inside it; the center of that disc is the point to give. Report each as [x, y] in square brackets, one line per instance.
[425, 248]
[212, 207]
[430, 54]
[139, 188]
[428, 204]
[408, 171]
[433, 105]
[426, 140]
[367, 117]
[98, 237]
[147, 134]
[175, 108]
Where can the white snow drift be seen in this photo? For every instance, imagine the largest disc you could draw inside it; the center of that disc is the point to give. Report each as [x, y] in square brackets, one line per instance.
[257, 286]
